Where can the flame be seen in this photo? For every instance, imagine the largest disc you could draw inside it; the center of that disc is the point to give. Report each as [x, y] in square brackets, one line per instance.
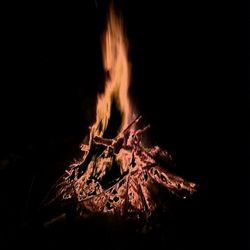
[117, 68]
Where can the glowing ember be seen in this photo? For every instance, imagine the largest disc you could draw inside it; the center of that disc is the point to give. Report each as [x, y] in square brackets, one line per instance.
[116, 176]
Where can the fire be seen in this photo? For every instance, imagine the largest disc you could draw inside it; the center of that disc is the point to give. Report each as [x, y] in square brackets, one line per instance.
[117, 176]
[117, 68]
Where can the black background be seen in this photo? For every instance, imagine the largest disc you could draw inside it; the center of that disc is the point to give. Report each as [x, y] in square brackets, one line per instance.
[188, 82]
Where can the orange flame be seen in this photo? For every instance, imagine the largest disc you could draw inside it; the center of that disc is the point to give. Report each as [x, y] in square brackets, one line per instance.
[117, 68]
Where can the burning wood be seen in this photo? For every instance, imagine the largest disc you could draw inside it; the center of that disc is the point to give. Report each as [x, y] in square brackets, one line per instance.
[116, 176]
[128, 192]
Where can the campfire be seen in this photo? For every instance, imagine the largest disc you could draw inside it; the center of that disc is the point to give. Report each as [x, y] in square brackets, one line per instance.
[116, 176]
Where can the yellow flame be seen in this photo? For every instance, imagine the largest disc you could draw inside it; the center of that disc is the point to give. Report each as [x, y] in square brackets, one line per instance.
[117, 68]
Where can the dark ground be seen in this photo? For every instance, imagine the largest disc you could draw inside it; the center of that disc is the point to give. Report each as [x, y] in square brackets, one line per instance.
[188, 82]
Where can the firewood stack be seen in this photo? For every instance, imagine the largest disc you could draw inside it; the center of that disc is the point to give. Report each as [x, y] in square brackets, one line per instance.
[117, 176]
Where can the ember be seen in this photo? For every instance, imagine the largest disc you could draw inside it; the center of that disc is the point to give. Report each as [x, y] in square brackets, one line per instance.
[116, 176]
